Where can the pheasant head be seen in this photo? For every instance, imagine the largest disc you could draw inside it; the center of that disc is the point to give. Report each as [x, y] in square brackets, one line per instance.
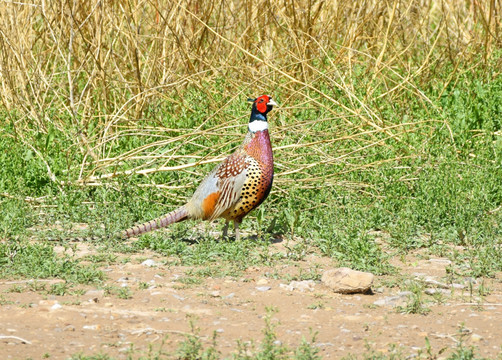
[261, 106]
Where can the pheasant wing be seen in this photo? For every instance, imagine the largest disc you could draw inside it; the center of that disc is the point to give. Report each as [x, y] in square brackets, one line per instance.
[221, 189]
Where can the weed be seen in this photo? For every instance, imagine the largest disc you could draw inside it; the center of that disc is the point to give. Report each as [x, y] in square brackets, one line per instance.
[416, 300]
[91, 357]
[36, 286]
[316, 305]
[17, 288]
[271, 347]
[193, 349]
[59, 289]
[40, 261]
[124, 293]
[4, 301]
[143, 285]
[307, 350]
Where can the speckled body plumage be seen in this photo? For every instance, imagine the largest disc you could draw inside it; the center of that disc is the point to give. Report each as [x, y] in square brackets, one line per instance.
[236, 186]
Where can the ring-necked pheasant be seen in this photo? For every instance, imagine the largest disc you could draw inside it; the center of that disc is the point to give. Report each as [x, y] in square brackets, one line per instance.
[235, 187]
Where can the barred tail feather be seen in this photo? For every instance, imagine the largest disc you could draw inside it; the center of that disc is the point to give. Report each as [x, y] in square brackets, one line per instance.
[177, 215]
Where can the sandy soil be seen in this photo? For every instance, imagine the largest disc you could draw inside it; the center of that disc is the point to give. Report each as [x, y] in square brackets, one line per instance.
[37, 325]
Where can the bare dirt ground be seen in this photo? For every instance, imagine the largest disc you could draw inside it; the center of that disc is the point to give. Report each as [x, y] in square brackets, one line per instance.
[36, 325]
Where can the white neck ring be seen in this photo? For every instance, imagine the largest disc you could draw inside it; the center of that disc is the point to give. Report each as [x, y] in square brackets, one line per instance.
[258, 125]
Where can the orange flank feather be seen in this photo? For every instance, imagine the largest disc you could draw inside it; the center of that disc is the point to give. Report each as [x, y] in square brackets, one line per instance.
[209, 204]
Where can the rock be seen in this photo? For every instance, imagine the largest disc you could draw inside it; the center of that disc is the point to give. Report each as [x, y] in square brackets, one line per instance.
[476, 338]
[91, 327]
[429, 281]
[431, 291]
[262, 282]
[347, 281]
[440, 261]
[400, 299]
[149, 263]
[305, 285]
[263, 288]
[56, 306]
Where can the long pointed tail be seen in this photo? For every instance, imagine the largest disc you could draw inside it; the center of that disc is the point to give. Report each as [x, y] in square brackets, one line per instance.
[177, 215]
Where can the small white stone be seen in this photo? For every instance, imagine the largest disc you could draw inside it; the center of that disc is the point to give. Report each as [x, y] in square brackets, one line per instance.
[476, 338]
[149, 263]
[90, 327]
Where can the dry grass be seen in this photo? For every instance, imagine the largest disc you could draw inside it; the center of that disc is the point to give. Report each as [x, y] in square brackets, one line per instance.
[77, 65]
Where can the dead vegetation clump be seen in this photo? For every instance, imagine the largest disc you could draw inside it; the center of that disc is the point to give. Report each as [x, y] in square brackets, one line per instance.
[93, 70]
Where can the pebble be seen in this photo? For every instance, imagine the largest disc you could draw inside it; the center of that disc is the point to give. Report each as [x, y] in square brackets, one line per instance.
[399, 299]
[56, 306]
[324, 344]
[431, 291]
[180, 298]
[431, 281]
[262, 282]
[305, 285]
[149, 263]
[476, 338]
[229, 296]
[440, 261]
[263, 288]
[91, 327]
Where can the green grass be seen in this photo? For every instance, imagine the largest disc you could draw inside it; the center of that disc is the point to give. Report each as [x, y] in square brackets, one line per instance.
[39, 261]
[438, 186]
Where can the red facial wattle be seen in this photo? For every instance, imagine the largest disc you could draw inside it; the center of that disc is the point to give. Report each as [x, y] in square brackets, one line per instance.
[261, 103]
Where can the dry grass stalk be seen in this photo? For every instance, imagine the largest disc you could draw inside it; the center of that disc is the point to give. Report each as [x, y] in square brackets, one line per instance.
[92, 69]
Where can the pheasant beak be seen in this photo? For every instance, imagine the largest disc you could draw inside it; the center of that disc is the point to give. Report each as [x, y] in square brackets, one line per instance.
[271, 102]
